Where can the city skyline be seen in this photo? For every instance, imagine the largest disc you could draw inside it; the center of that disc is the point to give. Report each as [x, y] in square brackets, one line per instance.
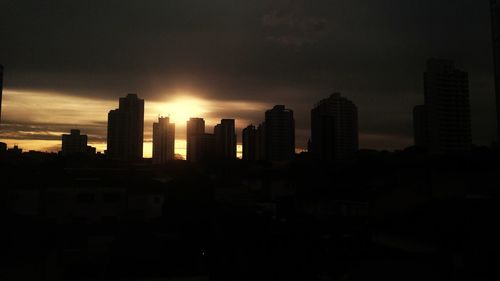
[181, 150]
[249, 140]
[294, 53]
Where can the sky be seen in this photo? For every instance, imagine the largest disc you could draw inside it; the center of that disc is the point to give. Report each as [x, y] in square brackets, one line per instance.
[67, 63]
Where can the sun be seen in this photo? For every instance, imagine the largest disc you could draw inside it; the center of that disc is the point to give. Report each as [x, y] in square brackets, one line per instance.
[183, 108]
[180, 109]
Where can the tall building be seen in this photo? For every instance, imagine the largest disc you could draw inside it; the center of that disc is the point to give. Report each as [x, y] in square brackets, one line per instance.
[195, 126]
[225, 139]
[1, 93]
[163, 141]
[334, 129]
[250, 142]
[279, 134]
[74, 143]
[495, 20]
[261, 142]
[115, 142]
[202, 148]
[126, 129]
[443, 124]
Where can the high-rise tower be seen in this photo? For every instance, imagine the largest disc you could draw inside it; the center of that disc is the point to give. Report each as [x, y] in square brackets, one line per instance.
[334, 129]
[250, 142]
[163, 141]
[126, 129]
[225, 139]
[279, 134]
[443, 124]
[195, 127]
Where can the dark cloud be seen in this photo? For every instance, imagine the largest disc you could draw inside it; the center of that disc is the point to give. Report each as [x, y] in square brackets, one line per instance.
[289, 27]
[286, 52]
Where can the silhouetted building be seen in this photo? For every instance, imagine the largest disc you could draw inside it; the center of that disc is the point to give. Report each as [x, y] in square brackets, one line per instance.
[3, 147]
[495, 19]
[250, 143]
[163, 141]
[91, 150]
[334, 129]
[74, 143]
[444, 124]
[420, 126]
[225, 139]
[202, 147]
[115, 143]
[261, 142]
[280, 134]
[15, 150]
[195, 126]
[1, 92]
[126, 129]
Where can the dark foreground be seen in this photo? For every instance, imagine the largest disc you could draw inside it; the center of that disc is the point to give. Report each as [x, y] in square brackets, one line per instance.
[394, 216]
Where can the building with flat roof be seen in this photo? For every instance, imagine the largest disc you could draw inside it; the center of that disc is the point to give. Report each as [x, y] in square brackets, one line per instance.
[163, 141]
[225, 140]
[443, 123]
[74, 143]
[126, 129]
[250, 142]
[194, 127]
[279, 134]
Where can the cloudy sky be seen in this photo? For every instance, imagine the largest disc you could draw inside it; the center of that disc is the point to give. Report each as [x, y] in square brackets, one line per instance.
[67, 62]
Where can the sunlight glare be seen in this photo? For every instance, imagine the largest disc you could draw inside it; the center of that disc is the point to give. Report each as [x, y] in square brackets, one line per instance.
[180, 109]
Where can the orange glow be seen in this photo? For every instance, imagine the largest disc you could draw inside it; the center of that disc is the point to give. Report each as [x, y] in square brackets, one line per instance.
[53, 108]
[180, 148]
[38, 145]
[58, 110]
[180, 109]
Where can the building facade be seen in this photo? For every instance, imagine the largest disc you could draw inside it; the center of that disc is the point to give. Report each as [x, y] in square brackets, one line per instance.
[202, 148]
[225, 140]
[443, 124]
[74, 143]
[279, 134]
[261, 142]
[194, 127]
[126, 129]
[163, 141]
[334, 129]
[250, 142]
